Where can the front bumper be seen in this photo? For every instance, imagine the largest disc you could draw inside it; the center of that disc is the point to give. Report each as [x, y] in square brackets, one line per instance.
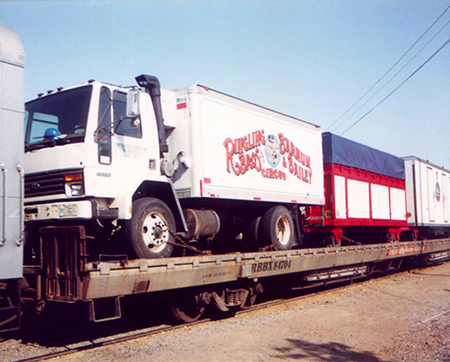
[69, 210]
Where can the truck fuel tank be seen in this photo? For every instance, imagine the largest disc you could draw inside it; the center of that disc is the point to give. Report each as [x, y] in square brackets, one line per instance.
[201, 223]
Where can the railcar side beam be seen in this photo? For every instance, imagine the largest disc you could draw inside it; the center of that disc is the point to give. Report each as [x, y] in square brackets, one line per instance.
[110, 279]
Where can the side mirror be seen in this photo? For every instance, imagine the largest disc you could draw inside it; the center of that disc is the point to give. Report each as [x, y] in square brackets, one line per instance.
[133, 103]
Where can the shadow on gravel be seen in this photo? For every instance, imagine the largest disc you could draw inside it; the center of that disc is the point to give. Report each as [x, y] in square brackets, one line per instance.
[327, 352]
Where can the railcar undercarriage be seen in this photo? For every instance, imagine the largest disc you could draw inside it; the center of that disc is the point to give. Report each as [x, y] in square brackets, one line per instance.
[64, 273]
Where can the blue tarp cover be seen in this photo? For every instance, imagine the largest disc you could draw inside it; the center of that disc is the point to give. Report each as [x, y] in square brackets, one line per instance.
[342, 151]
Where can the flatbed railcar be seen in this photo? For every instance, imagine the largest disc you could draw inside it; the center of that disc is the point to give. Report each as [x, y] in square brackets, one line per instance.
[11, 175]
[225, 282]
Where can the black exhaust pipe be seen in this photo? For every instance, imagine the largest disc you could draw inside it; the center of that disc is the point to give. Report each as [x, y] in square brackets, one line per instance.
[153, 88]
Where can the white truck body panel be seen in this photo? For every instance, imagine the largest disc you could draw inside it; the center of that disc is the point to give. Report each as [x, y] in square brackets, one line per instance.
[427, 198]
[340, 197]
[11, 153]
[398, 207]
[366, 200]
[380, 201]
[238, 150]
[358, 199]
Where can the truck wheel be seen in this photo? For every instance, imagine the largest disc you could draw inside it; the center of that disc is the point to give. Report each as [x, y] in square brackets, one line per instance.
[277, 228]
[148, 230]
[251, 233]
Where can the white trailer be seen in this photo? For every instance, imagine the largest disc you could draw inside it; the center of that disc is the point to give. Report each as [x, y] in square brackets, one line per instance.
[232, 149]
[11, 171]
[428, 198]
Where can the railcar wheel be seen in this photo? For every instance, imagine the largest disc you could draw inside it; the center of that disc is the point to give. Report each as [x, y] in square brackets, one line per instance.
[148, 230]
[387, 238]
[331, 241]
[277, 228]
[186, 308]
[251, 298]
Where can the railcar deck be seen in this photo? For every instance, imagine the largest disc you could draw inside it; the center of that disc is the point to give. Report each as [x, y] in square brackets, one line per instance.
[109, 279]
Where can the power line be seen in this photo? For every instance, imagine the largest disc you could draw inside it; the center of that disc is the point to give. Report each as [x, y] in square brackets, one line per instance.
[399, 71]
[401, 84]
[381, 78]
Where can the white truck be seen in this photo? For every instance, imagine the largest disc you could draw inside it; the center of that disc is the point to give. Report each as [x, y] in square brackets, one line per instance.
[147, 169]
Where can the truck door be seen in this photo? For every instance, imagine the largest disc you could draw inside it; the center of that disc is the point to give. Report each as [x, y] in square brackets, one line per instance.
[122, 152]
[130, 149]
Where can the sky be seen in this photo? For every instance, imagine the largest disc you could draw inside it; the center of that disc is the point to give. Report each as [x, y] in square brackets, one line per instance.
[309, 59]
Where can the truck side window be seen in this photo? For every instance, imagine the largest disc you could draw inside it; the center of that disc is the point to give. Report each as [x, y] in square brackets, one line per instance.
[122, 124]
[104, 133]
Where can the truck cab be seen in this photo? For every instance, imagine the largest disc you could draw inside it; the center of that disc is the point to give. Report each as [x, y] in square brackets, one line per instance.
[89, 156]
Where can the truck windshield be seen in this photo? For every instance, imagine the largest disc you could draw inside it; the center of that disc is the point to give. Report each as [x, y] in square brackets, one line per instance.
[57, 119]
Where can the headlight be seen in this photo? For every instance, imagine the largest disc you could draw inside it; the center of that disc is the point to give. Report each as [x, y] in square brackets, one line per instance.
[74, 184]
[77, 189]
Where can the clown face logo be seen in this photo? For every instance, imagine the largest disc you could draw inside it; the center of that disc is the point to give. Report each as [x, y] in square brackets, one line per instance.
[272, 150]
[438, 192]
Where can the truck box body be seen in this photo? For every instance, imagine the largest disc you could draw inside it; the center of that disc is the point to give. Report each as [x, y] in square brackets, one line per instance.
[363, 186]
[231, 149]
[11, 152]
[428, 193]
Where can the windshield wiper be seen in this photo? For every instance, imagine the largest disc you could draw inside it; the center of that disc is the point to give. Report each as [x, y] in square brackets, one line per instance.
[60, 141]
[34, 146]
[47, 143]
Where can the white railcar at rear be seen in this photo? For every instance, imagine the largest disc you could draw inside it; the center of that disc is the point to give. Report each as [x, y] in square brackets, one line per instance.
[11, 176]
[428, 200]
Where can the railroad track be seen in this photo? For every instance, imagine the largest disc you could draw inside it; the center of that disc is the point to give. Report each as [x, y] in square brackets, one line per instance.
[307, 292]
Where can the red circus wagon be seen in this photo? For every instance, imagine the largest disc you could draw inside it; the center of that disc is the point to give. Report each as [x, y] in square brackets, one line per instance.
[365, 196]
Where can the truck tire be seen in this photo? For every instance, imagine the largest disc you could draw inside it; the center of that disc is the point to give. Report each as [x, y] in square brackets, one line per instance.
[277, 228]
[251, 233]
[148, 230]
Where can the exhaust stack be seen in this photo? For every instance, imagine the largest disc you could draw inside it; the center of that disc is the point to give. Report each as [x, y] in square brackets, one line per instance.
[151, 85]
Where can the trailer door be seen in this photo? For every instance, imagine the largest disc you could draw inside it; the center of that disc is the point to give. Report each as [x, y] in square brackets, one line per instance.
[444, 196]
[431, 194]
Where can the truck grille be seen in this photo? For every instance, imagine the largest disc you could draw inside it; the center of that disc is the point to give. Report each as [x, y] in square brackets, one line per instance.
[46, 183]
